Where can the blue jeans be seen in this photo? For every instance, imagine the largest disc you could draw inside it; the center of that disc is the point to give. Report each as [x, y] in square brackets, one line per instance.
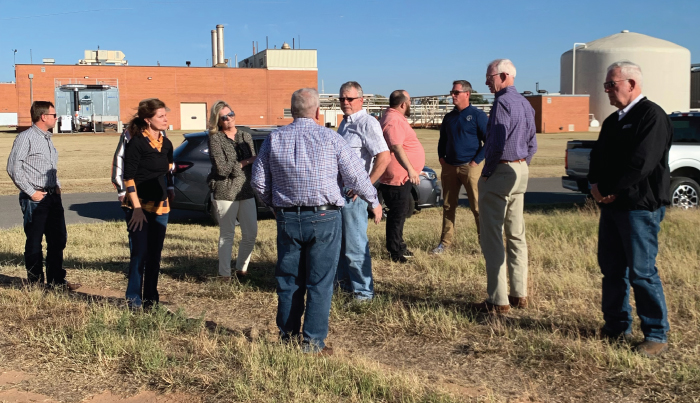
[308, 246]
[627, 248]
[355, 265]
[144, 265]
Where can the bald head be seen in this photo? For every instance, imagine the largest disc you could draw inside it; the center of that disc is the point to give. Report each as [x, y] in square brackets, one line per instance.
[305, 103]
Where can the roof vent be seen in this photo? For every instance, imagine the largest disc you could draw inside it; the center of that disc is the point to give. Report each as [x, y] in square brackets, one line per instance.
[285, 46]
[625, 31]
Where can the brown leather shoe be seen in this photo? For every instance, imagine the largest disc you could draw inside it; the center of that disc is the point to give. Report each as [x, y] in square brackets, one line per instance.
[517, 302]
[326, 352]
[487, 307]
[223, 279]
[241, 273]
[72, 286]
[651, 348]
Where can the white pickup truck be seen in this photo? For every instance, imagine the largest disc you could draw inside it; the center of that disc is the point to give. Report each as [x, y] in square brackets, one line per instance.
[683, 158]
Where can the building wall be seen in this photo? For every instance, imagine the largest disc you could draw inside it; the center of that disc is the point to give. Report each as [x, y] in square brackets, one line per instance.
[8, 98]
[258, 96]
[554, 114]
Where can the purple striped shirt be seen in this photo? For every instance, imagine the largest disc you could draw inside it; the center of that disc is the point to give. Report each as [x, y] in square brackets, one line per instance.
[300, 165]
[510, 131]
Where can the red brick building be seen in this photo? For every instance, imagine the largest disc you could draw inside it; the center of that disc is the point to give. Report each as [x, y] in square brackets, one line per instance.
[560, 113]
[259, 96]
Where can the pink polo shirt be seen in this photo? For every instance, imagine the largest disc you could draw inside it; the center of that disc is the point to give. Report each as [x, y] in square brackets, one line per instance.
[397, 130]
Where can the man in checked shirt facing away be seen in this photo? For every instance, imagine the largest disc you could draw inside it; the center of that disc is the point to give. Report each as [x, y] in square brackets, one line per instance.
[364, 135]
[509, 147]
[32, 165]
[296, 173]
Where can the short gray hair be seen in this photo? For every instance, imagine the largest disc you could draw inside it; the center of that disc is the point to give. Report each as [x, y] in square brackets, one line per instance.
[466, 85]
[304, 103]
[504, 66]
[628, 70]
[352, 84]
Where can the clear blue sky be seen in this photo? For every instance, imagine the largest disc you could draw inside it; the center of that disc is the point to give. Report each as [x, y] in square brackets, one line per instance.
[420, 46]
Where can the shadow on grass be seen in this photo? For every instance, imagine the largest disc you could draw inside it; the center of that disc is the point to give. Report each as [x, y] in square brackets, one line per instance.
[21, 283]
[179, 267]
[517, 318]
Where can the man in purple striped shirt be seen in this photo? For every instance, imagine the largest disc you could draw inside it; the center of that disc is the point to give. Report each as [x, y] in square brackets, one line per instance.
[297, 172]
[509, 147]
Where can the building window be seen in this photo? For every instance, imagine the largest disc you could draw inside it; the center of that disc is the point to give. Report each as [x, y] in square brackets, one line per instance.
[287, 113]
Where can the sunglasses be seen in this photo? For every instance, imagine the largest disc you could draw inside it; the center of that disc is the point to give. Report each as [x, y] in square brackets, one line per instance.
[342, 99]
[50, 114]
[230, 115]
[457, 92]
[608, 85]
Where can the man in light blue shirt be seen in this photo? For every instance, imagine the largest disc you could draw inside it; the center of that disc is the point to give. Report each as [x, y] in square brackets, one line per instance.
[364, 135]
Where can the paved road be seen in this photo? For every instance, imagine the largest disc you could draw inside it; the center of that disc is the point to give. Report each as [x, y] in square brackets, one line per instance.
[98, 207]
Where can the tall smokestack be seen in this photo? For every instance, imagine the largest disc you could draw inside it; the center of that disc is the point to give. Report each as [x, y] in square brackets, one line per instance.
[214, 51]
[220, 43]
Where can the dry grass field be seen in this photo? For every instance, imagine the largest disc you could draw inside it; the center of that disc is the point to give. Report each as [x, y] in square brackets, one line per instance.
[416, 342]
[85, 160]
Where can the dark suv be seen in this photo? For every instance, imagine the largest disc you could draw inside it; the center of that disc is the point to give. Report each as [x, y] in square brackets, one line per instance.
[192, 165]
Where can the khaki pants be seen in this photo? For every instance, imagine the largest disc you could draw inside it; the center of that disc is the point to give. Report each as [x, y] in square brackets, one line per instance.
[247, 214]
[453, 177]
[501, 207]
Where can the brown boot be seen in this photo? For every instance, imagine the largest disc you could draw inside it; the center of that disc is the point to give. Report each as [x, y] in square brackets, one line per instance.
[651, 348]
[487, 307]
[517, 302]
[326, 352]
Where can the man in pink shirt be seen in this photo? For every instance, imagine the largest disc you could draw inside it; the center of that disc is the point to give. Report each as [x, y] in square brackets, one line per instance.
[403, 171]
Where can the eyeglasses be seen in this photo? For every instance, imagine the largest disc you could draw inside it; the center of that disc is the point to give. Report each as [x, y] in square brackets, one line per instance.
[608, 85]
[455, 93]
[490, 76]
[230, 115]
[343, 99]
[50, 114]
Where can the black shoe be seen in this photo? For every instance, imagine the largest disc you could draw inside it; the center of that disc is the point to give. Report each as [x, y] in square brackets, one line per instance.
[408, 254]
[399, 259]
[610, 337]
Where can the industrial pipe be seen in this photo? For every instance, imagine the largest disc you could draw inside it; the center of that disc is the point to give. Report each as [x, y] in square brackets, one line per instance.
[214, 51]
[573, 64]
[220, 43]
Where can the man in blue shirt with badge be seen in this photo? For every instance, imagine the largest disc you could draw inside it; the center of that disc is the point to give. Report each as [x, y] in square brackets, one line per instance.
[461, 153]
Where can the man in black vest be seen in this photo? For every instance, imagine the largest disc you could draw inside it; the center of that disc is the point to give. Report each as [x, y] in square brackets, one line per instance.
[630, 179]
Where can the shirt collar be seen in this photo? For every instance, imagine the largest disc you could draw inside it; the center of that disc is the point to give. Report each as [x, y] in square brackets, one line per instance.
[394, 111]
[355, 116]
[509, 88]
[623, 111]
[47, 134]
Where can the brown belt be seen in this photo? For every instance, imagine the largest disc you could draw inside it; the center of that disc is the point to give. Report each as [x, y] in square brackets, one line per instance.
[507, 162]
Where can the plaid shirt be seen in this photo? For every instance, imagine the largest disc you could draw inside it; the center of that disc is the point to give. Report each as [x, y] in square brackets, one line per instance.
[364, 134]
[510, 131]
[299, 165]
[33, 161]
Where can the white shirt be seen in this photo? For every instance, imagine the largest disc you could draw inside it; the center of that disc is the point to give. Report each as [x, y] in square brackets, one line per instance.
[364, 135]
[622, 112]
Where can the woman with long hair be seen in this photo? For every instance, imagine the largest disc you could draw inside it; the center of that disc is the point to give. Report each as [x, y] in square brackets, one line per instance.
[148, 161]
[232, 154]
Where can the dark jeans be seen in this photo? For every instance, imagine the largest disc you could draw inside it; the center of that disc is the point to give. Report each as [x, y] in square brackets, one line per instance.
[144, 265]
[627, 248]
[308, 248]
[41, 218]
[400, 203]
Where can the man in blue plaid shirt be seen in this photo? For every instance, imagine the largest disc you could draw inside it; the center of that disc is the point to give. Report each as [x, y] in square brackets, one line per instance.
[297, 173]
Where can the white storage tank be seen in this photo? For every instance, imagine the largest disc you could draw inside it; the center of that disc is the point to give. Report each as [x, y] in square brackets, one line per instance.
[664, 67]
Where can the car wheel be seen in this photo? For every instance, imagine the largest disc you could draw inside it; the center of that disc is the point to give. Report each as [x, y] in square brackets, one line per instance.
[684, 193]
